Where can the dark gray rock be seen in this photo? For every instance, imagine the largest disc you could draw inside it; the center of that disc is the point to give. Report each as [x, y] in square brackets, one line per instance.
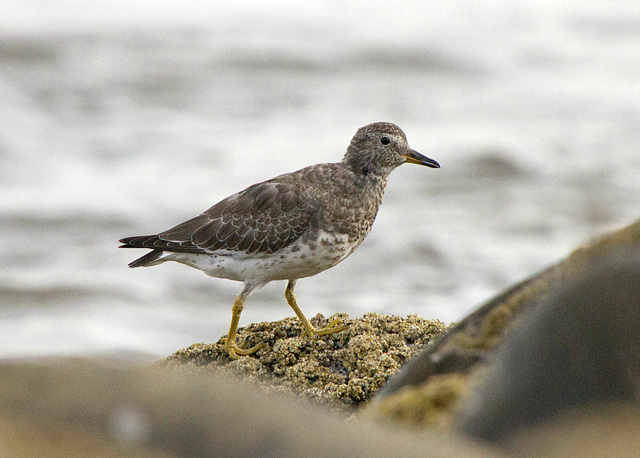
[579, 348]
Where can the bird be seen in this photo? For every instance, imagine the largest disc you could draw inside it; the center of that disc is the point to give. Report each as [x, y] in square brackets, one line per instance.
[293, 226]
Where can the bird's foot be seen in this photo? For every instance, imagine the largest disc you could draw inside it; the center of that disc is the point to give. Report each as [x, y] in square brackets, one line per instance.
[236, 351]
[336, 325]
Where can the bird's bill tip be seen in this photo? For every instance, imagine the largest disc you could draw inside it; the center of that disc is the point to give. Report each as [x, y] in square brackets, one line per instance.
[414, 157]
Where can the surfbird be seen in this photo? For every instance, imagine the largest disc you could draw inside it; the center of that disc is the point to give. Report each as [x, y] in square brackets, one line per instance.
[293, 226]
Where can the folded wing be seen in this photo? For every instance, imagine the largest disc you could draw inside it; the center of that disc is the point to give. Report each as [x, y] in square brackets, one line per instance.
[263, 218]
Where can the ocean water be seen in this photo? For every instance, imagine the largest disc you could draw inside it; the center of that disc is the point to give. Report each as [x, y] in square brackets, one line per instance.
[122, 120]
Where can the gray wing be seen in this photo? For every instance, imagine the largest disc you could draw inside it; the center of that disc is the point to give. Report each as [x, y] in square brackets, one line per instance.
[263, 218]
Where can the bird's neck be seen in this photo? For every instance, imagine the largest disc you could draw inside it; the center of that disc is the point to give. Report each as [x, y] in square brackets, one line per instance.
[374, 182]
[371, 181]
[367, 193]
[367, 175]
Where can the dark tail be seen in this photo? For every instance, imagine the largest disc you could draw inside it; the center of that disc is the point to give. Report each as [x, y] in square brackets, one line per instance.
[140, 242]
[147, 259]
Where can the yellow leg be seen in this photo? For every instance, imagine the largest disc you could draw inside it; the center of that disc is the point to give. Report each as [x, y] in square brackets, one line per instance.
[230, 344]
[334, 326]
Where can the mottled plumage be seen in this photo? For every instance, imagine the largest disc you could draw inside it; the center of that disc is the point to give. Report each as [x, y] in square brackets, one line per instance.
[292, 226]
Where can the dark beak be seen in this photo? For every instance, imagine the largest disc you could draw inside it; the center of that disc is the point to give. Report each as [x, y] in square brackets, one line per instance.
[414, 157]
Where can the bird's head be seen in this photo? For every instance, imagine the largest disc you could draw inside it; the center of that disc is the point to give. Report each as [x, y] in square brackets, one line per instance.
[379, 148]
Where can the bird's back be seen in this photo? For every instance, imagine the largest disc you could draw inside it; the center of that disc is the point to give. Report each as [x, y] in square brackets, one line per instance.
[269, 216]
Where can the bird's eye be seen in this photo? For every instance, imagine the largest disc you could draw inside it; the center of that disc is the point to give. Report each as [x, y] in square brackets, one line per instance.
[385, 140]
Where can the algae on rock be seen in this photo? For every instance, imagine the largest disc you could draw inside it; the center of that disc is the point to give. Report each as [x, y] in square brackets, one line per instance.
[345, 368]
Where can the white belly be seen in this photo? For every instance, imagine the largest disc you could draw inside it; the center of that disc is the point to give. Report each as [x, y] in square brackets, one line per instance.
[298, 260]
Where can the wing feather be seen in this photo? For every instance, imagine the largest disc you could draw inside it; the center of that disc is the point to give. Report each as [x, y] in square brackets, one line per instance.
[263, 218]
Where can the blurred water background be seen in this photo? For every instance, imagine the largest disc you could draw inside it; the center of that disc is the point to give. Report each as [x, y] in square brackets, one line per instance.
[125, 118]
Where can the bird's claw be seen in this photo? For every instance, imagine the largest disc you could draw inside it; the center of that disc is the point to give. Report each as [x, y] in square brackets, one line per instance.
[235, 351]
[336, 325]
